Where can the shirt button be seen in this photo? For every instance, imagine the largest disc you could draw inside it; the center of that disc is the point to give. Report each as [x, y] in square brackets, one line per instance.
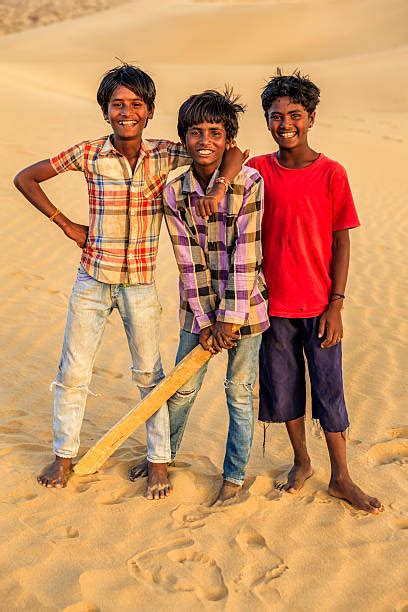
[133, 189]
[132, 212]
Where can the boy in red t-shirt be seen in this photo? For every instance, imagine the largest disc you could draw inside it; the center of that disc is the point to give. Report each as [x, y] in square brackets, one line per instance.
[308, 212]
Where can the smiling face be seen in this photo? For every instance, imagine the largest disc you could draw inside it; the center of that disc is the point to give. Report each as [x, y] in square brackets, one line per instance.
[205, 143]
[289, 123]
[128, 114]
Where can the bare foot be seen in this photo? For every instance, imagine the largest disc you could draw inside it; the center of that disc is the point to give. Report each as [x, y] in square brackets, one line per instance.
[348, 490]
[296, 477]
[56, 474]
[227, 491]
[138, 471]
[158, 485]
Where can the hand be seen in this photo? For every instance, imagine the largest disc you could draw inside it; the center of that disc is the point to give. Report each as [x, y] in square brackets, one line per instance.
[206, 340]
[331, 324]
[224, 336]
[77, 232]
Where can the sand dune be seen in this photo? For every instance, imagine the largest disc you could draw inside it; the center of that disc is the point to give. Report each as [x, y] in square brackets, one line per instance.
[98, 544]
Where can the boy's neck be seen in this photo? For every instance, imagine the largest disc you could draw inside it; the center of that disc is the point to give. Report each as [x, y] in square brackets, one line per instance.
[298, 157]
[203, 175]
[129, 148]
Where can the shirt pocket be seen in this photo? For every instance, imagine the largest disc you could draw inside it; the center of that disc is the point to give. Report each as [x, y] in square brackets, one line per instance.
[153, 187]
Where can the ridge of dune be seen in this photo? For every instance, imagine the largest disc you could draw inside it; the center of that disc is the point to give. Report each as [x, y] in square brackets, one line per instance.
[19, 15]
[133, 31]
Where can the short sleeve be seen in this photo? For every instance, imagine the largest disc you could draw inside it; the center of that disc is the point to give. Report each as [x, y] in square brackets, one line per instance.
[71, 159]
[178, 156]
[344, 211]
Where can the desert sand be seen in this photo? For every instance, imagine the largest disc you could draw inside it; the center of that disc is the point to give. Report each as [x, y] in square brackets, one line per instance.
[98, 544]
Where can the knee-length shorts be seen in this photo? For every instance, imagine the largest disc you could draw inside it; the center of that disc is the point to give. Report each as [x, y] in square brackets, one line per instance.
[284, 347]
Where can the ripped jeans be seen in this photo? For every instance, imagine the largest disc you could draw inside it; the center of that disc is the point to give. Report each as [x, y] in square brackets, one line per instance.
[90, 305]
[239, 385]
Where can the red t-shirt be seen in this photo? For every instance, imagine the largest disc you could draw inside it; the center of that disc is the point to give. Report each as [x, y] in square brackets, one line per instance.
[303, 207]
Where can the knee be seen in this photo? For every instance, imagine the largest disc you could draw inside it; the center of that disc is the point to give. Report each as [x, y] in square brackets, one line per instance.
[241, 392]
[146, 380]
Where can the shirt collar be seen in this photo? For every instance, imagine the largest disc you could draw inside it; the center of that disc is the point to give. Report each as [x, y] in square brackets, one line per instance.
[191, 185]
[109, 149]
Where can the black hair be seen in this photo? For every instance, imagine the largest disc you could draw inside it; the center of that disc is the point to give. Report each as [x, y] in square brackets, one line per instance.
[129, 76]
[298, 87]
[211, 106]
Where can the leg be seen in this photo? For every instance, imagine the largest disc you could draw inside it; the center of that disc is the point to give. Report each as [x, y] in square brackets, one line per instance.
[328, 405]
[182, 401]
[283, 393]
[88, 310]
[302, 466]
[239, 386]
[140, 310]
[341, 484]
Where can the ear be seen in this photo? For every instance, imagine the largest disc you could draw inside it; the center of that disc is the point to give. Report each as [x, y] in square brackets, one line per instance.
[312, 117]
[150, 112]
[105, 116]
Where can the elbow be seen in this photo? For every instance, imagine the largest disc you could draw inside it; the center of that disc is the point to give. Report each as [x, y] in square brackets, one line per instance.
[17, 181]
[20, 181]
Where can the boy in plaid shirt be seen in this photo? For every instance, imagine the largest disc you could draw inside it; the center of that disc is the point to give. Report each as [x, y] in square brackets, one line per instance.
[222, 288]
[125, 176]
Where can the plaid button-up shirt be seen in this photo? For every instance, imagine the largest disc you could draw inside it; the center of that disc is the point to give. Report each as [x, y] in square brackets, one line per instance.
[219, 259]
[125, 208]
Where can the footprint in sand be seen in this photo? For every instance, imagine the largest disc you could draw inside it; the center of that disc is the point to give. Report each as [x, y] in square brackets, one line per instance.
[180, 566]
[402, 523]
[190, 516]
[392, 451]
[261, 564]
[398, 432]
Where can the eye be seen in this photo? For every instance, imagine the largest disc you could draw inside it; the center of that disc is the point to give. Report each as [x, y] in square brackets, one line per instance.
[274, 117]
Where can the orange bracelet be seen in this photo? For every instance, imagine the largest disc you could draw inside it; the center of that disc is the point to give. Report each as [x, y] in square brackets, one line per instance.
[57, 212]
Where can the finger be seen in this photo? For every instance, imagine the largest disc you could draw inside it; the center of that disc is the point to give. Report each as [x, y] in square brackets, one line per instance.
[217, 345]
[200, 210]
[246, 154]
[322, 325]
[207, 206]
[226, 342]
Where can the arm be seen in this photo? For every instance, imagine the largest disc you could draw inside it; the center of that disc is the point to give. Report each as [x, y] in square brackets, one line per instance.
[230, 166]
[245, 263]
[331, 323]
[192, 265]
[28, 182]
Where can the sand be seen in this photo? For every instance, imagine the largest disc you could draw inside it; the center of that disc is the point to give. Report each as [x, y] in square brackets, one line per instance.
[98, 544]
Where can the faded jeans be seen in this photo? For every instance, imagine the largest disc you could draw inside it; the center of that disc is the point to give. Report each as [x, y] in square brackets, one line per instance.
[239, 384]
[90, 305]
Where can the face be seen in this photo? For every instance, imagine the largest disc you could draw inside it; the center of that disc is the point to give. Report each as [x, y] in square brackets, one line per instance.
[127, 113]
[205, 143]
[289, 122]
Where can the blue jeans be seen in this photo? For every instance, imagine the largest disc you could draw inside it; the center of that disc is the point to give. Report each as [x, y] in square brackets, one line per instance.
[239, 386]
[90, 305]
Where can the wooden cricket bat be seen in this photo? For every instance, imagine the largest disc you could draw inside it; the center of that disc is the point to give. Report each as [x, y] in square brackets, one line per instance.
[119, 433]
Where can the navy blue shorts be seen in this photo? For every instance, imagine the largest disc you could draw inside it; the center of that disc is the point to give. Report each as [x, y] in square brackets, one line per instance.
[282, 389]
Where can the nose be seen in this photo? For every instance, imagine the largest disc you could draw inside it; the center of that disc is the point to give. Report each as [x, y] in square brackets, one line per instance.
[203, 138]
[285, 122]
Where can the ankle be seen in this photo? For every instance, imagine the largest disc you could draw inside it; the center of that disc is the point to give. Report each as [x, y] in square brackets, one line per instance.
[302, 460]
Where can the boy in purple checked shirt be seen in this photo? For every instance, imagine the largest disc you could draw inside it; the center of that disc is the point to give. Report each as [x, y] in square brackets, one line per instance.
[221, 284]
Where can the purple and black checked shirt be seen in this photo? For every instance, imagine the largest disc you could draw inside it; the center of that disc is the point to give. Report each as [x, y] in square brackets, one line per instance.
[125, 208]
[219, 259]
